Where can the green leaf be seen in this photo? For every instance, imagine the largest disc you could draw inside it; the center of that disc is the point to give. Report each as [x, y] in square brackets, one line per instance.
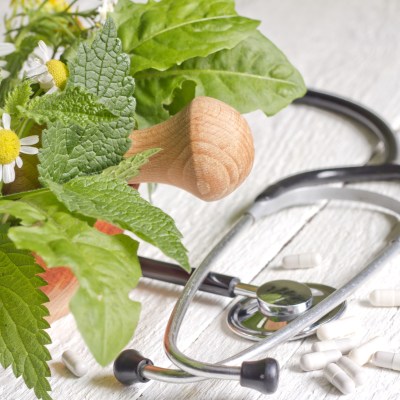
[19, 97]
[73, 106]
[74, 150]
[22, 324]
[254, 75]
[161, 34]
[130, 167]
[106, 266]
[113, 200]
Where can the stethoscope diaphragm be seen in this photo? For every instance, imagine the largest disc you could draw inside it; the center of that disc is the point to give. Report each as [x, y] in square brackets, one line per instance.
[246, 319]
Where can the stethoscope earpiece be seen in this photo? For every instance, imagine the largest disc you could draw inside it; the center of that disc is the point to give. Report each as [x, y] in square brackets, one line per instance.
[261, 375]
[128, 367]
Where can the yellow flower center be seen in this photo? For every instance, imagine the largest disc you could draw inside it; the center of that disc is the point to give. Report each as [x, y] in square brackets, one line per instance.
[9, 146]
[59, 72]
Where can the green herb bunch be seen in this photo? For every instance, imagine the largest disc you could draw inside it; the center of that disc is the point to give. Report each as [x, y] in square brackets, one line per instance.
[143, 65]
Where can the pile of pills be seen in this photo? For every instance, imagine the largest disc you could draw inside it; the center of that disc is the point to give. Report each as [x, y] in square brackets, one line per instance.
[341, 356]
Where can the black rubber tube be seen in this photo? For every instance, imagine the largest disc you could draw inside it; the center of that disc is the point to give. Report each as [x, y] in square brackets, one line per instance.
[367, 173]
[219, 284]
[366, 117]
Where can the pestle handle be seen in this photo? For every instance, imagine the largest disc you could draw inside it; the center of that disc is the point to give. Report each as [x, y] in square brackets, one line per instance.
[207, 150]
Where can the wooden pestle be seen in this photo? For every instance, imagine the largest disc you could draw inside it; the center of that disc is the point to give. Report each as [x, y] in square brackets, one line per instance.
[207, 150]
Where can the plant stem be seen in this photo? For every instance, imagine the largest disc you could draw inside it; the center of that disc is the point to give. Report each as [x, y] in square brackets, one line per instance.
[21, 195]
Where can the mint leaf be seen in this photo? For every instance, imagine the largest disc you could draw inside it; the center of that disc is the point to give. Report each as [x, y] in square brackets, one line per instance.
[106, 266]
[113, 200]
[253, 75]
[19, 97]
[78, 149]
[73, 106]
[22, 323]
[130, 167]
[161, 34]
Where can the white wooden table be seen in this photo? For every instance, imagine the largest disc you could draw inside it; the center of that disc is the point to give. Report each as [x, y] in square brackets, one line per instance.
[350, 47]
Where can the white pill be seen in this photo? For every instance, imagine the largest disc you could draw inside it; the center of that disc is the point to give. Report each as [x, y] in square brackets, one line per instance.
[386, 359]
[344, 345]
[363, 353]
[339, 328]
[339, 379]
[74, 364]
[305, 260]
[385, 298]
[318, 360]
[353, 370]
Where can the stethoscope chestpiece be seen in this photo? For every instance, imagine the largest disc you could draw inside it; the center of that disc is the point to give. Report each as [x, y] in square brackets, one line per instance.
[284, 300]
[258, 317]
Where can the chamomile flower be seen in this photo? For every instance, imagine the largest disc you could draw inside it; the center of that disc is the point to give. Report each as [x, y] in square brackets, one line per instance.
[50, 73]
[105, 8]
[10, 148]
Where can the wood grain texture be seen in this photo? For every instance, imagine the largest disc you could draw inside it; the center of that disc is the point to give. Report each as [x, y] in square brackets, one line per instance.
[206, 149]
[350, 47]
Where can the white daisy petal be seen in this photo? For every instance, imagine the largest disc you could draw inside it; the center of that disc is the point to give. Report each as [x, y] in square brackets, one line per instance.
[6, 121]
[9, 172]
[45, 79]
[19, 162]
[4, 74]
[45, 51]
[41, 69]
[29, 150]
[3, 63]
[34, 63]
[29, 140]
[6, 48]
[52, 90]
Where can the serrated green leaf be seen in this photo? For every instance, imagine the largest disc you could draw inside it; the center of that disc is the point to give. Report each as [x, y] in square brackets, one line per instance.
[130, 167]
[253, 75]
[73, 106]
[106, 266]
[161, 34]
[22, 323]
[113, 200]
[19, 97]
[102, 70]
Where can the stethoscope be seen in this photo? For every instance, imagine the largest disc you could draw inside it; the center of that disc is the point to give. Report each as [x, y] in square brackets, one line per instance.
[299, 307]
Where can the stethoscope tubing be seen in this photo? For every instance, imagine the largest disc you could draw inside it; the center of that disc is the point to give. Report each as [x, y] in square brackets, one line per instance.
[356, 112]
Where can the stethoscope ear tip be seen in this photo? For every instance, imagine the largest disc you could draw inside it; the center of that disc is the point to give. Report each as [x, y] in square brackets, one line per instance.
[261, 375]
[128, 367]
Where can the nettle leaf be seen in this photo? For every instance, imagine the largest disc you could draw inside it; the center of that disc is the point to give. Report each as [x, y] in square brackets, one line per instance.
[106, 266]
[130, 167]
[253, 75]
[161, 34]
[73, 150]
[22, 324]
[113, 200]
[73, 106]
[19, 97]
